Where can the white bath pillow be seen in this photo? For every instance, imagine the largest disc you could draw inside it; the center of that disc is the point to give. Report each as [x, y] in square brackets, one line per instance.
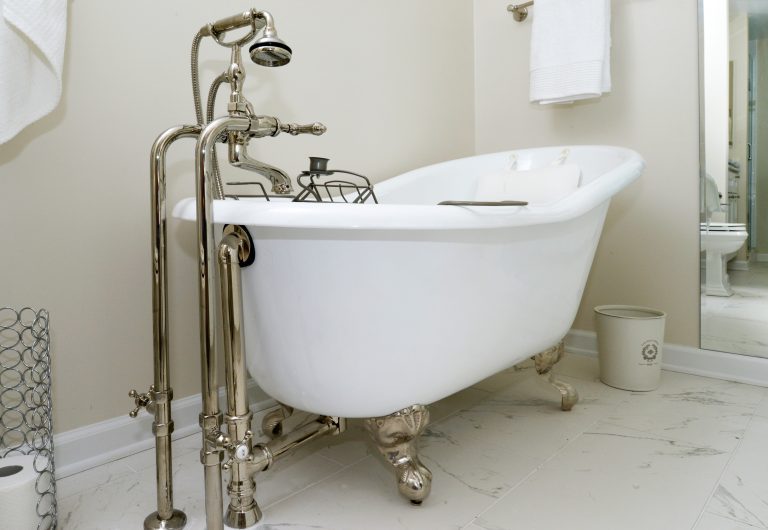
[537, 186]
[559, 161]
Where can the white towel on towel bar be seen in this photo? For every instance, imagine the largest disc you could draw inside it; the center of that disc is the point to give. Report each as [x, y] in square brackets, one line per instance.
[32, 39]
[570, 50]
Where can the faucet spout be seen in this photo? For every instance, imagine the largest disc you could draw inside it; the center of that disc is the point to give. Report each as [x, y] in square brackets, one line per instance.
[238, 157]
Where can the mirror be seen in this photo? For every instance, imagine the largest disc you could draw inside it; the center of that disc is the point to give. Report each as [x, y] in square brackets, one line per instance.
[734, 175]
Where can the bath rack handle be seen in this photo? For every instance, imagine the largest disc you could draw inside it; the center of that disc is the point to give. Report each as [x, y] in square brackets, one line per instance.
[483, 203]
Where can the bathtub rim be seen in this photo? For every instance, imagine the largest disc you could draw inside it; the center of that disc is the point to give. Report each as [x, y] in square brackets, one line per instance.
[284, 214]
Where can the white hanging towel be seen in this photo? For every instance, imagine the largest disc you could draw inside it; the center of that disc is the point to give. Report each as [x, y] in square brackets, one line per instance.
[570, 50]
[32, 39]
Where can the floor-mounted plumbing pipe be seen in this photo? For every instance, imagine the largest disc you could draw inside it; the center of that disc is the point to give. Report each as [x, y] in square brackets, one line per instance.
[244, 459]
[266, 51]
[210, 418]
[160, 395]
[234, 250]
[166, 516]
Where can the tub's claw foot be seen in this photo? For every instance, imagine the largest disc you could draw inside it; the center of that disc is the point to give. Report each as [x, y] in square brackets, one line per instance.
[569, 394]
[545, 361]
[396, 436]
[414, 482]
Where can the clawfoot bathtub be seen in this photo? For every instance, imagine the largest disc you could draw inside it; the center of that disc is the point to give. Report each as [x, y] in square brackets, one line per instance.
[361, 311]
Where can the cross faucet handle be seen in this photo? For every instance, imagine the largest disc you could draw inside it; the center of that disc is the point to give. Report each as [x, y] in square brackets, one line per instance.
[295, 129]
[140, 401]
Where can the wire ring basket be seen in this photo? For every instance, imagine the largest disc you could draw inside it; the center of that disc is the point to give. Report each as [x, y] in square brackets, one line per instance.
[26, 426]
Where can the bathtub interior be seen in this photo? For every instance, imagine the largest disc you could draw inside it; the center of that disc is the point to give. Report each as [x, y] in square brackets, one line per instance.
[410, 201]
[458, 179]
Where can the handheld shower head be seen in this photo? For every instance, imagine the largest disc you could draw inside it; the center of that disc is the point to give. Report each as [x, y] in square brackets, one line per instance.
[270, 50]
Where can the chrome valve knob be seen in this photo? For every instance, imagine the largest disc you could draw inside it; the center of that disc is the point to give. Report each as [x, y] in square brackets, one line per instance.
[295, 129]
[141, 401]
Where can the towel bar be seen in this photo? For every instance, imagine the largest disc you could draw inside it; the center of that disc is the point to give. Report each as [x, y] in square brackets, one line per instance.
[520, 11]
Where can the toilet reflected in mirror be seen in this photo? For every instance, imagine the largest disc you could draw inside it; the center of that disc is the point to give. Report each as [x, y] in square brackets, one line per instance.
[720, 242]
[733, 223]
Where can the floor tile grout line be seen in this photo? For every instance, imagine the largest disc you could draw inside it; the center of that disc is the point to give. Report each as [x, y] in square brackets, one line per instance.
[727, 465]
[119, 475]
[341, 465]
[443, 418]
[459, 410]
[538, 468]
[473, 520]
[591, 379]
[347, 466]
[104, 465]
[315, 483]
[741, 524]
[107, 483]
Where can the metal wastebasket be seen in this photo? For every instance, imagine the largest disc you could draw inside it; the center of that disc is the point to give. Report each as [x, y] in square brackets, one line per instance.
[27, 471]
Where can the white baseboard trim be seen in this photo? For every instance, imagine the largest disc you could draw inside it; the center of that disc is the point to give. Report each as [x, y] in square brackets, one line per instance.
[689, 360]
[762, 257]
[99, 443]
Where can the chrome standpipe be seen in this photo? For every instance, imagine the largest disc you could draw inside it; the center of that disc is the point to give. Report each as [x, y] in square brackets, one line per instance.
[243, 510]
[234, 250]
[166, 516]
[211, 454]
[245, 460]
[158, 399]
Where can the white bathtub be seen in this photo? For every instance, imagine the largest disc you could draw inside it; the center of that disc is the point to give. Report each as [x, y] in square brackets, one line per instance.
[362, 310]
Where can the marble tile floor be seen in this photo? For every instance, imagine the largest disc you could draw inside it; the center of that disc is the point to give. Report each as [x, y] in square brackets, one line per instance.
[690, 455]
[738, 323]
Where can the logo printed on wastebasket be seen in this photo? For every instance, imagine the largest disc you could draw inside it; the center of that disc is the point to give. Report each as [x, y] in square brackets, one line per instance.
[650, 350]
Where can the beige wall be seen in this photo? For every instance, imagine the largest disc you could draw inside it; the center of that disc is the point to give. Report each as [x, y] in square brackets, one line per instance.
[649, 253]
[395, 92]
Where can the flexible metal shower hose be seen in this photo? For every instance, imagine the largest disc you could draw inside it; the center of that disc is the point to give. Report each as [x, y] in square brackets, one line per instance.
[218, 186]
